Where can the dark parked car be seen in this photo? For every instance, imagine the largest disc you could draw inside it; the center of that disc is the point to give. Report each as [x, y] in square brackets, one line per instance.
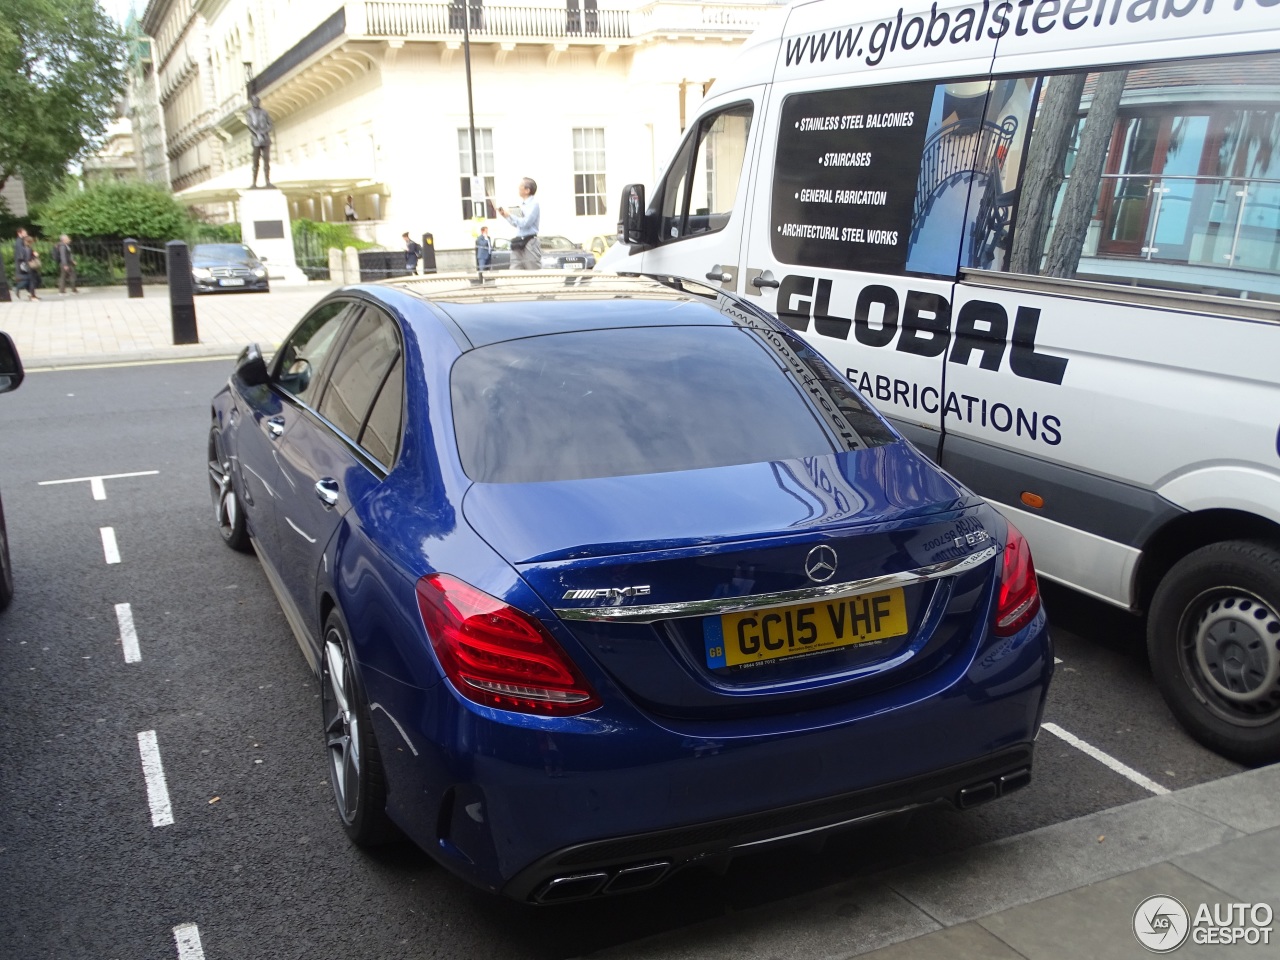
[10, 379]
[604, 577]
[227, 267]
[558, 253]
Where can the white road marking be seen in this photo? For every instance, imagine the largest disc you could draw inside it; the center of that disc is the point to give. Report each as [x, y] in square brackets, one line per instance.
[187, 937]
[109, 548]
[96, 486]
[128, 635]
[1057, 659]
[157, 789]
[1106, 759]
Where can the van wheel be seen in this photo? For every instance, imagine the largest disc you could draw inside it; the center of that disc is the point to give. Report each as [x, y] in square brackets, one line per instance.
[1213, 636]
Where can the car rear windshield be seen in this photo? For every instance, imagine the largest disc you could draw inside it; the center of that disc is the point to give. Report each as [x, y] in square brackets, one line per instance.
[607, 403]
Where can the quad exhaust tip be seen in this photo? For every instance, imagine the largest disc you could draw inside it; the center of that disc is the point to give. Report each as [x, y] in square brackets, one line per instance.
[580, 886]
[978, 793]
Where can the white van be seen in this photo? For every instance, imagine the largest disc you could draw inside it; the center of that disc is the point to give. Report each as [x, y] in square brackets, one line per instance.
[1043, 236]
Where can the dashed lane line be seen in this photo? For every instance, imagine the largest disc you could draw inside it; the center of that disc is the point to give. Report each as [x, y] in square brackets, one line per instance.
[187, 938]
[109, 548]
[153, 771]
[128, 635]
[1106, 759]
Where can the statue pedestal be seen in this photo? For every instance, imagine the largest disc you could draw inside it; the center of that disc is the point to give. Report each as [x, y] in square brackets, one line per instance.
[265, 227]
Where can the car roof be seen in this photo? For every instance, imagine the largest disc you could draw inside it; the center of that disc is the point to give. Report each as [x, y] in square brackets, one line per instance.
[510, 306]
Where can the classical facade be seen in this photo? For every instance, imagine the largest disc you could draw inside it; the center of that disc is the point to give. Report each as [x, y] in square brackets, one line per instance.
[369, 100]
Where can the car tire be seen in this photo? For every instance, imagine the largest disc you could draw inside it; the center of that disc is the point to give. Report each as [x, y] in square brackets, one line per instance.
[355, 765]
[6, 566]
[227, 509]
[1213, 638]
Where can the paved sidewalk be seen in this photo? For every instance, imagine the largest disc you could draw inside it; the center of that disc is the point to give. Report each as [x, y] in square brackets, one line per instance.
[102, 325]
[1063, 892]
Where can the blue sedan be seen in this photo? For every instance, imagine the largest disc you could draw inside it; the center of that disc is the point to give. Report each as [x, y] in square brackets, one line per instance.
[603, 577]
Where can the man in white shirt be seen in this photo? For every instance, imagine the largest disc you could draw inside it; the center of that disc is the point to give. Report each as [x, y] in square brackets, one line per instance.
[526, 251]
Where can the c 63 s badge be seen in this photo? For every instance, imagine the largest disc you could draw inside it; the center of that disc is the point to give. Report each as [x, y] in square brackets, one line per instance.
[607, 593]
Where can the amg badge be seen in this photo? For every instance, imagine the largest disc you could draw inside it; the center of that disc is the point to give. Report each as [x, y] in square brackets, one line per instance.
[607, 593]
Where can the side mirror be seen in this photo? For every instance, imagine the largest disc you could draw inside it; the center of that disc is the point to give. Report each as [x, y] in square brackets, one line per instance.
[251, 369]
[631, 227]
[10, 365]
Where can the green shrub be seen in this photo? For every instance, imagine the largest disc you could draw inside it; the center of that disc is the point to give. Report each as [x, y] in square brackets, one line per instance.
[115, 209]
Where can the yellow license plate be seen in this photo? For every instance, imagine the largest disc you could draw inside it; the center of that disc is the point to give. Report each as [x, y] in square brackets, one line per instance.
[733, 639]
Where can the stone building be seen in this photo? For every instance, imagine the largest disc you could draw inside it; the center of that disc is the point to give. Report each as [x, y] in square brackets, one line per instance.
[369, 100]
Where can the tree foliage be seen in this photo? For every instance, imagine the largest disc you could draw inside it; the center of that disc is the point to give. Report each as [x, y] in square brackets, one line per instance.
[121, 209]
[61, 70]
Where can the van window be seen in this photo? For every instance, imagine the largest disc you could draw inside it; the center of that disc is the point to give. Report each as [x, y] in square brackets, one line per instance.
[700, 187]
[1161, 175]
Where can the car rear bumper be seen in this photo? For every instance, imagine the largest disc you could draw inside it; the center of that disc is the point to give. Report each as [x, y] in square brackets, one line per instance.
[545, 810]
[629, 863]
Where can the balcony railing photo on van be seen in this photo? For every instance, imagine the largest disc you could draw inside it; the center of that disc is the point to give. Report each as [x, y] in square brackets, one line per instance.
[403, 18]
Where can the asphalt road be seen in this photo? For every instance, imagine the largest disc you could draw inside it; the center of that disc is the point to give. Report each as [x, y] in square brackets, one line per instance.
[255, 857]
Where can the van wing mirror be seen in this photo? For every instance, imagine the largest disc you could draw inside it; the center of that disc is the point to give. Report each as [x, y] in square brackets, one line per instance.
[10, 365]
[251, 369]
[631, 219]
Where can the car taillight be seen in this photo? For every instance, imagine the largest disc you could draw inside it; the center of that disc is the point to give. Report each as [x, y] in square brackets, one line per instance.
[1019, 598]
[498, 656]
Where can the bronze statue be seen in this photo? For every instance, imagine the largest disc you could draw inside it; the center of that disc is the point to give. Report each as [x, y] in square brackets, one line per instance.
[259, 123]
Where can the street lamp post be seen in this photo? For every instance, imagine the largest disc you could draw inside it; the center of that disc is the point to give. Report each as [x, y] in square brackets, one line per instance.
[471, 110]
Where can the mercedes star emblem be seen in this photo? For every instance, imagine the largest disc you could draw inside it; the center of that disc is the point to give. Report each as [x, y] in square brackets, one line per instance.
[820, 564]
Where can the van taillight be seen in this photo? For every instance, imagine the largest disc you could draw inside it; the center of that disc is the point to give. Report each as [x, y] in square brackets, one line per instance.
[498, 656]
[1019, 599]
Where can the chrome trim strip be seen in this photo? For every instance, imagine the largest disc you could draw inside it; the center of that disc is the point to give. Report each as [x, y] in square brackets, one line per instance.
[652, 612]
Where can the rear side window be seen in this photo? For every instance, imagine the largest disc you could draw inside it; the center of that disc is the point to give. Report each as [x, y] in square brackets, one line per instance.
[609, 403]
[358, 372]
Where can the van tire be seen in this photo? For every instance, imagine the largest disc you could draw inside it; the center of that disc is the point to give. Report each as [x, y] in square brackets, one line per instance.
[1213, 638]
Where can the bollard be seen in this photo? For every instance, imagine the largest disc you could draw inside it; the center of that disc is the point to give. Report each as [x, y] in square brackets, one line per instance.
[182, 296]
[132, 269]
[4, 284]
[350, 265]
[428, 253]
[335, 265]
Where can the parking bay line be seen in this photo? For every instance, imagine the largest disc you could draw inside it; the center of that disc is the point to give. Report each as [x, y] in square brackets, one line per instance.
[187, 938]
[153, 771]
[109, 548]
[96, 486]
[1105, 759]
[128, 634]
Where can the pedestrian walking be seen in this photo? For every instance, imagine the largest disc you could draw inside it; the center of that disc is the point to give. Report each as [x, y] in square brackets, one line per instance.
[526, 250]
[26, 263]
[66, 263]
[412, 253]
[349, 208]
[484, 250]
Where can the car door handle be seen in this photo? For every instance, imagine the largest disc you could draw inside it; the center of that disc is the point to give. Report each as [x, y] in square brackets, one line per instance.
[719, 274]
[327, 491]
[275, 427]
[765, 280]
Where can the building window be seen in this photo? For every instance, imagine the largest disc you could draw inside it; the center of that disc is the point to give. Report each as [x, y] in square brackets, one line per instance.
[588, 171]
[473, 207]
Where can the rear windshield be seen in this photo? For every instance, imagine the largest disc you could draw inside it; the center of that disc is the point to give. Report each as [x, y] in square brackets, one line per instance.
[608, 403]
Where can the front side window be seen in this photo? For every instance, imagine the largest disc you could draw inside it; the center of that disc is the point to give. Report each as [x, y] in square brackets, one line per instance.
[359, 370]
[301, 361]
[477, 207]
[588, 171]
[702, 184]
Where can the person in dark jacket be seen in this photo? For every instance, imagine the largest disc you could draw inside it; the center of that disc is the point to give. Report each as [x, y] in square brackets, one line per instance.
[484, 250]
[412, 253]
